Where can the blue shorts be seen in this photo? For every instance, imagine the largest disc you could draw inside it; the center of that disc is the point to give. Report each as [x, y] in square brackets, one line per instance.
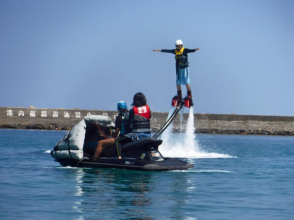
[183, 76]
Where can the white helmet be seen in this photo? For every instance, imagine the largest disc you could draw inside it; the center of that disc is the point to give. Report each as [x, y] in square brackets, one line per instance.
[179, 42]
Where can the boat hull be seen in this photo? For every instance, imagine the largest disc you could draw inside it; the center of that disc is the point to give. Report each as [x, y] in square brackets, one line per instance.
[130, 163]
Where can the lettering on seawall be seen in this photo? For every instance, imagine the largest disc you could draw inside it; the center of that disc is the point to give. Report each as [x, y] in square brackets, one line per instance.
[55, 114]
[21, 113]
[66, 114]
[9, 113]
[32, 113]
[44, 114]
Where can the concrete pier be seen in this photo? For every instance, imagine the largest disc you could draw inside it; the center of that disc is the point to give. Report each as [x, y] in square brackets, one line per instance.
[64, 119]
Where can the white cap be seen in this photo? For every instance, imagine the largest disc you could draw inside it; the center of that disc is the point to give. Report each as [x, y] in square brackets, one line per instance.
[179, 42]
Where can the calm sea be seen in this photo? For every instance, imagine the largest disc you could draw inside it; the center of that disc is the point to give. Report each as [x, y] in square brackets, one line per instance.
[235, 177]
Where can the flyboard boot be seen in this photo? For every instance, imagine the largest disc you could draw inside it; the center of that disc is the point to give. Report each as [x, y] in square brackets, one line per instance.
[177, 100]
[188, 100]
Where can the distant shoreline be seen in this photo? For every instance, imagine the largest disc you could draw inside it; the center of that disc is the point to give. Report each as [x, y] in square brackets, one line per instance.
[65, 119]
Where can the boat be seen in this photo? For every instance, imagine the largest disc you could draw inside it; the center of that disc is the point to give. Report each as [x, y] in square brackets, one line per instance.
[77, 148]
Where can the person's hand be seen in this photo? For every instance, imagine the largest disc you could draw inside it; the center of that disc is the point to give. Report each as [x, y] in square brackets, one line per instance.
[197, 49]
[155, 50]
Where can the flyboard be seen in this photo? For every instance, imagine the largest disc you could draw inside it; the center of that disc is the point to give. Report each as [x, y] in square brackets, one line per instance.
[187, 101]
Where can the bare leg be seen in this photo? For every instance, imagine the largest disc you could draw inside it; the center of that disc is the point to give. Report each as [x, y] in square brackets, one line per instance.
[188, 87]
[189, 93]
[106, 142]
[179, 91]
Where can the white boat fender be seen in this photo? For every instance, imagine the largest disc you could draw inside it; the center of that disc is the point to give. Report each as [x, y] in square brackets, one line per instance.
[75, 138]
[101, 119]
[64, 154]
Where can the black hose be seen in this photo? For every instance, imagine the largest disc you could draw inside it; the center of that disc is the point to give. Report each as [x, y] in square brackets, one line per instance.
[169, 121]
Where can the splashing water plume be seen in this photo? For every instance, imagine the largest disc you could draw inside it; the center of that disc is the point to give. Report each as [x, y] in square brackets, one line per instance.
[174, 146]
[167, 141]
[191, 144]
[181, 119]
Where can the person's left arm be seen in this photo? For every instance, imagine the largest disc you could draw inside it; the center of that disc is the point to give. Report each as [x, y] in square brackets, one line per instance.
[117, 125]
[116, 133]
[191, 50]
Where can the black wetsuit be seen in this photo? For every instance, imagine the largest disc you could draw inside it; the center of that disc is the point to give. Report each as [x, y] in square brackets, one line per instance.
[118, 121]
[118, 124]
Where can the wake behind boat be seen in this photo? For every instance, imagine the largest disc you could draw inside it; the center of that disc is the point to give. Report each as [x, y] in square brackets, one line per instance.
[78, 146]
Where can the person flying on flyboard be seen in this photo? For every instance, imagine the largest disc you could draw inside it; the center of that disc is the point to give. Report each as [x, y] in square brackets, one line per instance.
[182, 68]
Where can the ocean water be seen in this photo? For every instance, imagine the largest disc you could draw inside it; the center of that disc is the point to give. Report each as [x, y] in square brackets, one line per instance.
[235, 177]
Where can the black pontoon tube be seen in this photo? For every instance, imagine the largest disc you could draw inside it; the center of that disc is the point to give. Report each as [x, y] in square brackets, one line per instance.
[170, 120]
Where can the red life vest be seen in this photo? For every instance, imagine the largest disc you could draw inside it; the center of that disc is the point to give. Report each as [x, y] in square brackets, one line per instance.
[142, 111]
[141, 121]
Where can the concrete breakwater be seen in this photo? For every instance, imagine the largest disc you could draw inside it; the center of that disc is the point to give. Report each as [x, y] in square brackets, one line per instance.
[64, 119]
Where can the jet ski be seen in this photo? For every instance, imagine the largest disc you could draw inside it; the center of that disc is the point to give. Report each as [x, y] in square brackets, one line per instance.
[77, 148]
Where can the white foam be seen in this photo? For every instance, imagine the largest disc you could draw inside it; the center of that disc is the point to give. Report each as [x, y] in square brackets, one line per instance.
[67, 167]
[182, 120]
[191, 145]
[179, 152]
[201, 171]
[47, 152]
[187, 147]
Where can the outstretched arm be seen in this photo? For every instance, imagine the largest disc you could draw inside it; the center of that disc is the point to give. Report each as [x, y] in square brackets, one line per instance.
[164, 51]
[191, 50]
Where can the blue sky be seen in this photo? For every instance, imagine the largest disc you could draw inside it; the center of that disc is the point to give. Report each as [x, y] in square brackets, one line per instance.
[92, 54]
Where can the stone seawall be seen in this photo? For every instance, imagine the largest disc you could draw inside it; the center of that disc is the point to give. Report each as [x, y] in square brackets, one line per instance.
[64, 119]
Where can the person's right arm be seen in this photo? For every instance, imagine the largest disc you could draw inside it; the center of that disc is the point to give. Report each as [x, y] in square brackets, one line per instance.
[164, 51]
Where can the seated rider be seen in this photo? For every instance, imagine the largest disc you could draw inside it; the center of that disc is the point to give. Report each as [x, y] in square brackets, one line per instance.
[121, 128]
[139, 121]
